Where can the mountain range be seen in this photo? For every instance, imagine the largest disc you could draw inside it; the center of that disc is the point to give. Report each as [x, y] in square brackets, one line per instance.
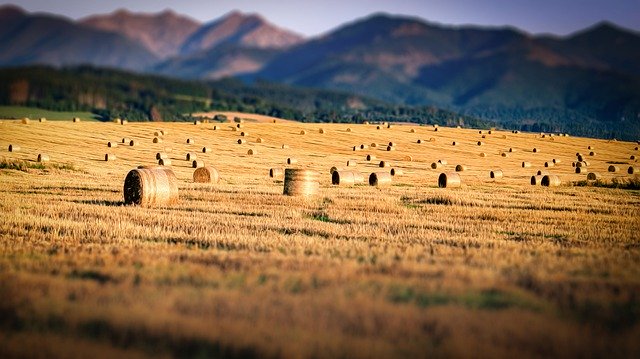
[591, 77]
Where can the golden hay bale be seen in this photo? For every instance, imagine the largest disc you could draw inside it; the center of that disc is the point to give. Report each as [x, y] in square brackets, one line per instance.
[164, 162]
[348, 129]
[276, 172]
[109, 157]
[291, 161]
[371, 157]
[244, 134]
[582, 164]
[432, 139]
[157, 140]
[444, 162]
[482, 154]
[157, 133]
[391, 148]
[241, 141]
[512, 150]
[536, 180]
[190, 156]
[504, 154]
[419, 141]
[480, 132]
[378, 127]
[164, 132]
[556, 161]
[300, 182]
[197, 164]
[392, 144]
[196, 122]
[125, 140]
[542, 173]
[613, 168]
[25, 121]
[206, 150]
[480, 143]
[580, 157]
[408, 158]
[413, 130]
[632, 157]
[356, 148]
[321, 131]
[373, 144]
[343, 178]
[435, 129]
[550, 181]
[252, 151]
[76, 119]
[581, 169]
[454, 143]
[496, 174]
[549, 164]
[593, 176]
[148, 187]
[591, 147]
[535, 150]
[380, 179]
[384, 164]
[526, 164]
[388, 125]
[43, 158]
[364, 147]
[504, 137]
[14, 148]
[450, 180]
[42, 119]
[436, 165]
[191, 141]
[435, 125]
[259, 140]
[358, 177]
[161, 155]
[633, 170]
[206, 174]
[396, 172]
[284, 147]
[484, 136]
[303, 132]
[334, 168]
[592, 153]
[215, 128]
[124, 122]
[461, 168]
[352, 163]
[133, 143]
[112, 144]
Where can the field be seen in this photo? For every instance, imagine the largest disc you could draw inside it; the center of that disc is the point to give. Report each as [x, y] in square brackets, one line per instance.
[36, 113]
[495, 268]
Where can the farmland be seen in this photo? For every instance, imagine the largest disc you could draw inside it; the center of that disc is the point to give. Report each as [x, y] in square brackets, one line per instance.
[495, 268]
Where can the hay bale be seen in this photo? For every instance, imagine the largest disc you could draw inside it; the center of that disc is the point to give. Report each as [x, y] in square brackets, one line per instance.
[482, 154]
[241, 141]
[407, 158]
[191, 141]
[348, 129]
[356, 148]
[124, 122]
[504, 137]
[391, 148]
[164, 132]
[109, 157]
[535, 150]
[582, 164]
[436, 165]
[112, 144]
[334, 168]
[542, 173]
[284, 147]
[371, 157]
[343, 178]
[504, 154]
[435, 129]
[396, 172]
[161, 155]
[632, 157]
[197, 163]
[191, 156]
[419, 141]
[384, 164]
[413, 130]
[259, 140]
[14, 148]
[443, 162]
[206, 174]
[374, 145]
[149, 187]
[432, 139]
[380, 179]
[157, 134]
[244, 134]
[556, 161]
[291, 161]
[239, 125]
[526, 164]
[164, 162]
[549, 164]
[300, 182]
[633, 170]
[388, 125]
[461, 168]
[206, 150]
[536, 180]
[581, 170]
[480, 132]
[76, 119]
[512, 150]
[591, 147]
[157, 140]
[495, 174]
[449, 180]
[234, 129]
[613, 168]
[484, 136]
[592, 153]
[352, 163]
[42, 119]
[378, 127]
[43, 158]
[125, 140]
[364, 147]
[276, 172]
[580, 157]
[550, 181]
[480, 143]
[321, 131]
[593, 176]
[133, 143]
[392, 144]
[303, 132]
[358, 177]
[454, 143]
[252, 152]
[215, 128]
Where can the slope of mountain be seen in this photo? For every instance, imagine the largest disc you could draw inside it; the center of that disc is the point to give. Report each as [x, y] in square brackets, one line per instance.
[29, 39]
[163, 33]
[240, 29]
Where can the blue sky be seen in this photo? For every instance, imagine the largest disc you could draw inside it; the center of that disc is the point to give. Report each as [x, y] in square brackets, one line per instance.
[312, 18]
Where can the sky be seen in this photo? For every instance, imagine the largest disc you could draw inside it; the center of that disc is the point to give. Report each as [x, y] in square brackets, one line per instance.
[311, 18]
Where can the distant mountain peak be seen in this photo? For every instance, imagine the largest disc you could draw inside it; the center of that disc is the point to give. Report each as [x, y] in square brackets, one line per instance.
[11, 10]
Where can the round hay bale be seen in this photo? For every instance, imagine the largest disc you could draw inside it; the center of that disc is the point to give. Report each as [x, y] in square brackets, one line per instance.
[556, 161]
[14, 148]
[407, 158]
[581, 170]
[380, 179]
[496, 174]
[580, 157]
[549, 164]
[444, 162]
[449, 180]
[125, 140]
[592, 153]
[276, 172]
[215, 128]
[535, 150]
[542, 173]
[484, 136]
[454, 143]
[190, 141]
[303, 132]
[392, 144]
[112, 144]
[378, 127]
[358, 177]
[241, 141]
[321, 131]
[413, 130]
[149, 187]
[343, 178]
[42, 119]
[389, 125]
[348, 129]
[284, 147]
[161, 155]
[435, 129]
[191, 156]
[300, 182]
[239, 125]
[291, 161]
[435, 125]
[157, 134]
[593, 176]
[512, 150]
[352, 163]
[371, 157]
[252, 152]
[157, 140]
[133, 143]
[76, 119]
[206, 150]
[364, 147]
[244, 134]
[206, 174]
[504, 137]
[591, 147]
[535, 180]
[480, 143]
[633, 170]
[482, 154]
[124, 122]
[334, 168]
[613, 168]
[396, 172]
[581, 164]
[550, 181]
[43, 158]
[436, 165]
[419, 141]
[384, 164]
[259, 140]
[504, 154]
[356, 148]
[461, 168]
[391, 148]
[109, 157]
[432, 139]
[374, 145]
[164, 162]
[632, 157]
[234, 129]
[164, 132]
[197, 164]
[25, 121]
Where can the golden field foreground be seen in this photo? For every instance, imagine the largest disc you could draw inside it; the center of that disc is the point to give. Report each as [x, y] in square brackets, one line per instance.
[496, 268]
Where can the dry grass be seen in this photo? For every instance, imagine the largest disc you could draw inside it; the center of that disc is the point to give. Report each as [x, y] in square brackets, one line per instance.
[236, 269]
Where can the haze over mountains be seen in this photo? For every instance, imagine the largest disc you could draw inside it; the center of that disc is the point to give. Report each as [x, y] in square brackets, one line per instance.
[592, 76]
